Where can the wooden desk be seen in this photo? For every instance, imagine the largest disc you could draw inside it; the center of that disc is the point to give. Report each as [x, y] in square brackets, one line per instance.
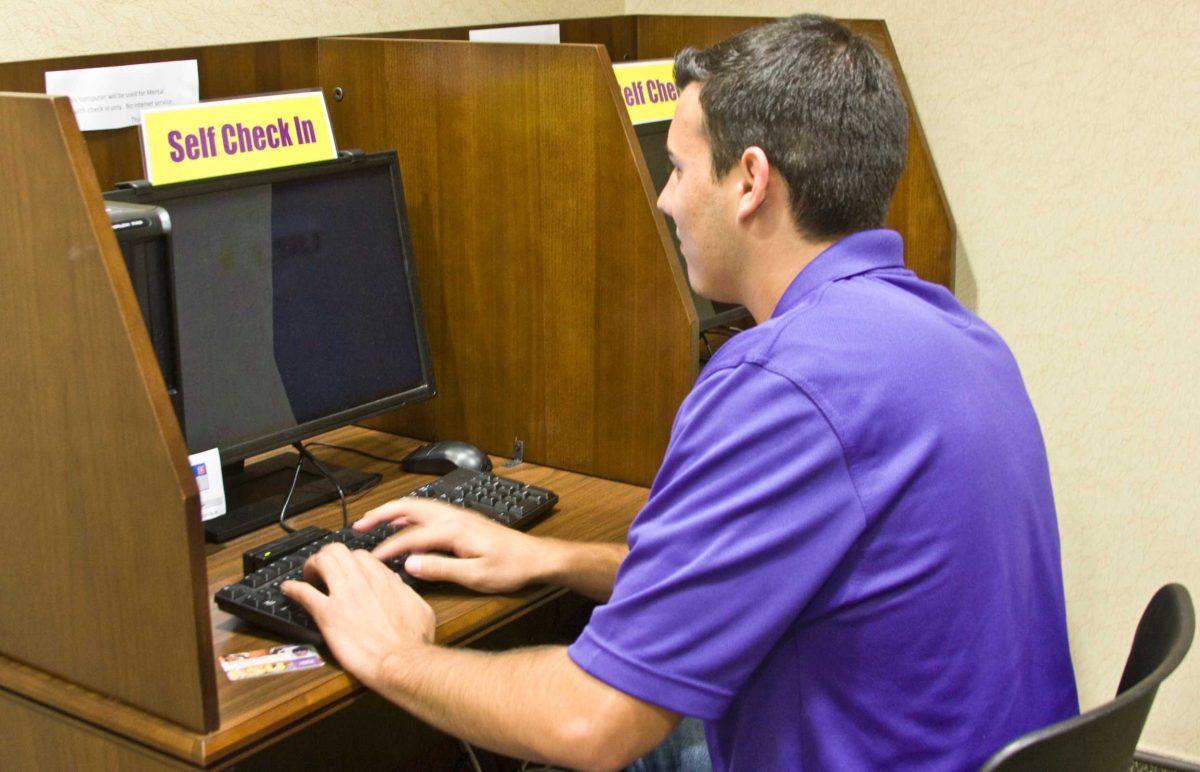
[255, 714]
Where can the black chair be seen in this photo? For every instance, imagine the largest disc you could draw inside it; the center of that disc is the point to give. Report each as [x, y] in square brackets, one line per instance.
[1105, 738]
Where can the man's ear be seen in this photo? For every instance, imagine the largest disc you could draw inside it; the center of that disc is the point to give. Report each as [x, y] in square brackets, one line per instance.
[754, 173]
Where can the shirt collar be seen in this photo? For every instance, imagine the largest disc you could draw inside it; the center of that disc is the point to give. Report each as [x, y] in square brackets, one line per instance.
[857, 253]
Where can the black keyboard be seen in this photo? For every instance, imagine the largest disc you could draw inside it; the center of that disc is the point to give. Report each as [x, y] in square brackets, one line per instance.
[258, 600]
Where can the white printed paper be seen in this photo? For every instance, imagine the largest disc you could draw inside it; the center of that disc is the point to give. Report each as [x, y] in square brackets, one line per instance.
[114, 97]
[532, 33]
[206, 467]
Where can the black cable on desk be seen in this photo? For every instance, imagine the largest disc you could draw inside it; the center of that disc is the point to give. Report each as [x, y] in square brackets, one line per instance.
[304, 454]
[353, 450]
[288, 500]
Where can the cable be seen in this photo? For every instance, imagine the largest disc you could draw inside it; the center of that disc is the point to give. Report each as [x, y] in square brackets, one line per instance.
[353, 450]
[471, 754]
[304, 454]
[288, 500]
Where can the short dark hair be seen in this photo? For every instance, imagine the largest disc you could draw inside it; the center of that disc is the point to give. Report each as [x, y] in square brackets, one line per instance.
[823, 105]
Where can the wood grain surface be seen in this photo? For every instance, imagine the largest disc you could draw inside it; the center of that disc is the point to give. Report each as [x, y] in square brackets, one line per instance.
[557, 312]
[101, 510]
[257, 712]
[36, 738]
[616, 33]
[225, 71]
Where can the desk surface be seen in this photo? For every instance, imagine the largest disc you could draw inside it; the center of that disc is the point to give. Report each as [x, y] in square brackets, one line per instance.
[259, 711]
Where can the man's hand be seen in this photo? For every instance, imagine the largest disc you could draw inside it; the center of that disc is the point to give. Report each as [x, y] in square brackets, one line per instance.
[367, 612]
[483, 555]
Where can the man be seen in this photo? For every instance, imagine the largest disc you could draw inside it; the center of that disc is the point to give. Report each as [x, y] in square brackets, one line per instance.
[849, 557]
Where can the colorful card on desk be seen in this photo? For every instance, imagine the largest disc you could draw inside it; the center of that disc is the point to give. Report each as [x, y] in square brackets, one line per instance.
[266, 662]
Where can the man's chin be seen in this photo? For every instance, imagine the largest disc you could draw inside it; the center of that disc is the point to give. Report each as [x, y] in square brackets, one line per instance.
[705, 291]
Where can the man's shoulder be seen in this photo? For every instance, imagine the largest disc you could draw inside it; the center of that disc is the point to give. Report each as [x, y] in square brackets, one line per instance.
[885, 317]
[868, 348]
[834, 320]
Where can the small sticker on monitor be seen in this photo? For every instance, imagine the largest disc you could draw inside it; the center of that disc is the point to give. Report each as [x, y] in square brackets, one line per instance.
[206, 468]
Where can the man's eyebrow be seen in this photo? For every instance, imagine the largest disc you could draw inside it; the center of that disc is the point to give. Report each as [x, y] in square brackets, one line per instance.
[672, 157]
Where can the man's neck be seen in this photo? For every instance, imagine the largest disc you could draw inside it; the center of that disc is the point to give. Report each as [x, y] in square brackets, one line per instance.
[777, 264]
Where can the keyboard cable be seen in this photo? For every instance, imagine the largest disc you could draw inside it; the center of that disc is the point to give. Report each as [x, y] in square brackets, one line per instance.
[305, 455]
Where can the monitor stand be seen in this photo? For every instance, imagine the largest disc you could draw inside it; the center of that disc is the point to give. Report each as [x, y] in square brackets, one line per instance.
[254, 494]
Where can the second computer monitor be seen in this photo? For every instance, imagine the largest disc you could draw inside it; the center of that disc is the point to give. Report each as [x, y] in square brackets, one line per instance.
[653, 139]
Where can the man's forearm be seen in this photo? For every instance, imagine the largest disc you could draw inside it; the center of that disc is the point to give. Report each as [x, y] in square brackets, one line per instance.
[526, 703]
[588, 568]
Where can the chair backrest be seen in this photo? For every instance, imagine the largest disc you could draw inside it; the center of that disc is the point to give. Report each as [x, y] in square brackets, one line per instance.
[1105, 737]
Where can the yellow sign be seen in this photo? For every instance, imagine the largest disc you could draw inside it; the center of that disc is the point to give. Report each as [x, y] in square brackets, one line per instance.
[648, 89]
[231, 136]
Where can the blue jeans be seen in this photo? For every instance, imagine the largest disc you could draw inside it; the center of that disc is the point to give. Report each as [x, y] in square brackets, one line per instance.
[684, 750]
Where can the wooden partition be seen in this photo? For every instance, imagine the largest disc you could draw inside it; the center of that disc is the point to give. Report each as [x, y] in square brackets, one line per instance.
[918, 210]
[557, 312]
[225, 71]
[502, 145]
[618, 34]
[256, 68]
[102, 564]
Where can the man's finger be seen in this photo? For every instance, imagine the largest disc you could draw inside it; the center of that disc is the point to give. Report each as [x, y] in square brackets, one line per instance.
[377, 574]
[409, 509]
[305, 594]
[384, 513]
[328, 566]
[439, 568]
[416, 538]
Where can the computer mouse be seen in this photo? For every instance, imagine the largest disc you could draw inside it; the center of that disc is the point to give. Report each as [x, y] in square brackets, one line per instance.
[444, 457]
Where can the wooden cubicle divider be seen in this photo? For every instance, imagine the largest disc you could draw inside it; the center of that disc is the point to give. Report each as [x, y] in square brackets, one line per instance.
[557, 312]
[102, 563]
[919, 210]
[618, 34]
[490, 156]
[225, 71]
[511, 227]
[254, 68]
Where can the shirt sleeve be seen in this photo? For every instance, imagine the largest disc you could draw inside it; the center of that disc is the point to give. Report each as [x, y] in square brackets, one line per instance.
[751, 511]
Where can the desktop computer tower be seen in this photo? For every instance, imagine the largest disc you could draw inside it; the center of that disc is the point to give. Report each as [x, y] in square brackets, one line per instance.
[144, 235]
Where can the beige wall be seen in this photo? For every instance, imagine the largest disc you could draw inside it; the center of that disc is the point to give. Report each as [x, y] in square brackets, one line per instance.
[42, 29]
[1066, 135]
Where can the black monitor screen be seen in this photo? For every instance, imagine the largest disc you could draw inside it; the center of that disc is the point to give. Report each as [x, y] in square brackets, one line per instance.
[296, 305]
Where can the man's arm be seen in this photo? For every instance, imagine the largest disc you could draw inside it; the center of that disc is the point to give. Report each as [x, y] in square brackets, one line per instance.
[528, 703]
[588, 568]
[489, 557]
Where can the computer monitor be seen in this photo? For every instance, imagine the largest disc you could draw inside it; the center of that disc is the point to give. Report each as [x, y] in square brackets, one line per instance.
[653, 139]
[295, 310]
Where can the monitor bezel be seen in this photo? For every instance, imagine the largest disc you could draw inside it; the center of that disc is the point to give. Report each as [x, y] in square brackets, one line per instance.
[156, 194]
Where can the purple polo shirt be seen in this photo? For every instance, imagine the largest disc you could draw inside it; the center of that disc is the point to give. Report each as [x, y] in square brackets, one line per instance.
[849, 558]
